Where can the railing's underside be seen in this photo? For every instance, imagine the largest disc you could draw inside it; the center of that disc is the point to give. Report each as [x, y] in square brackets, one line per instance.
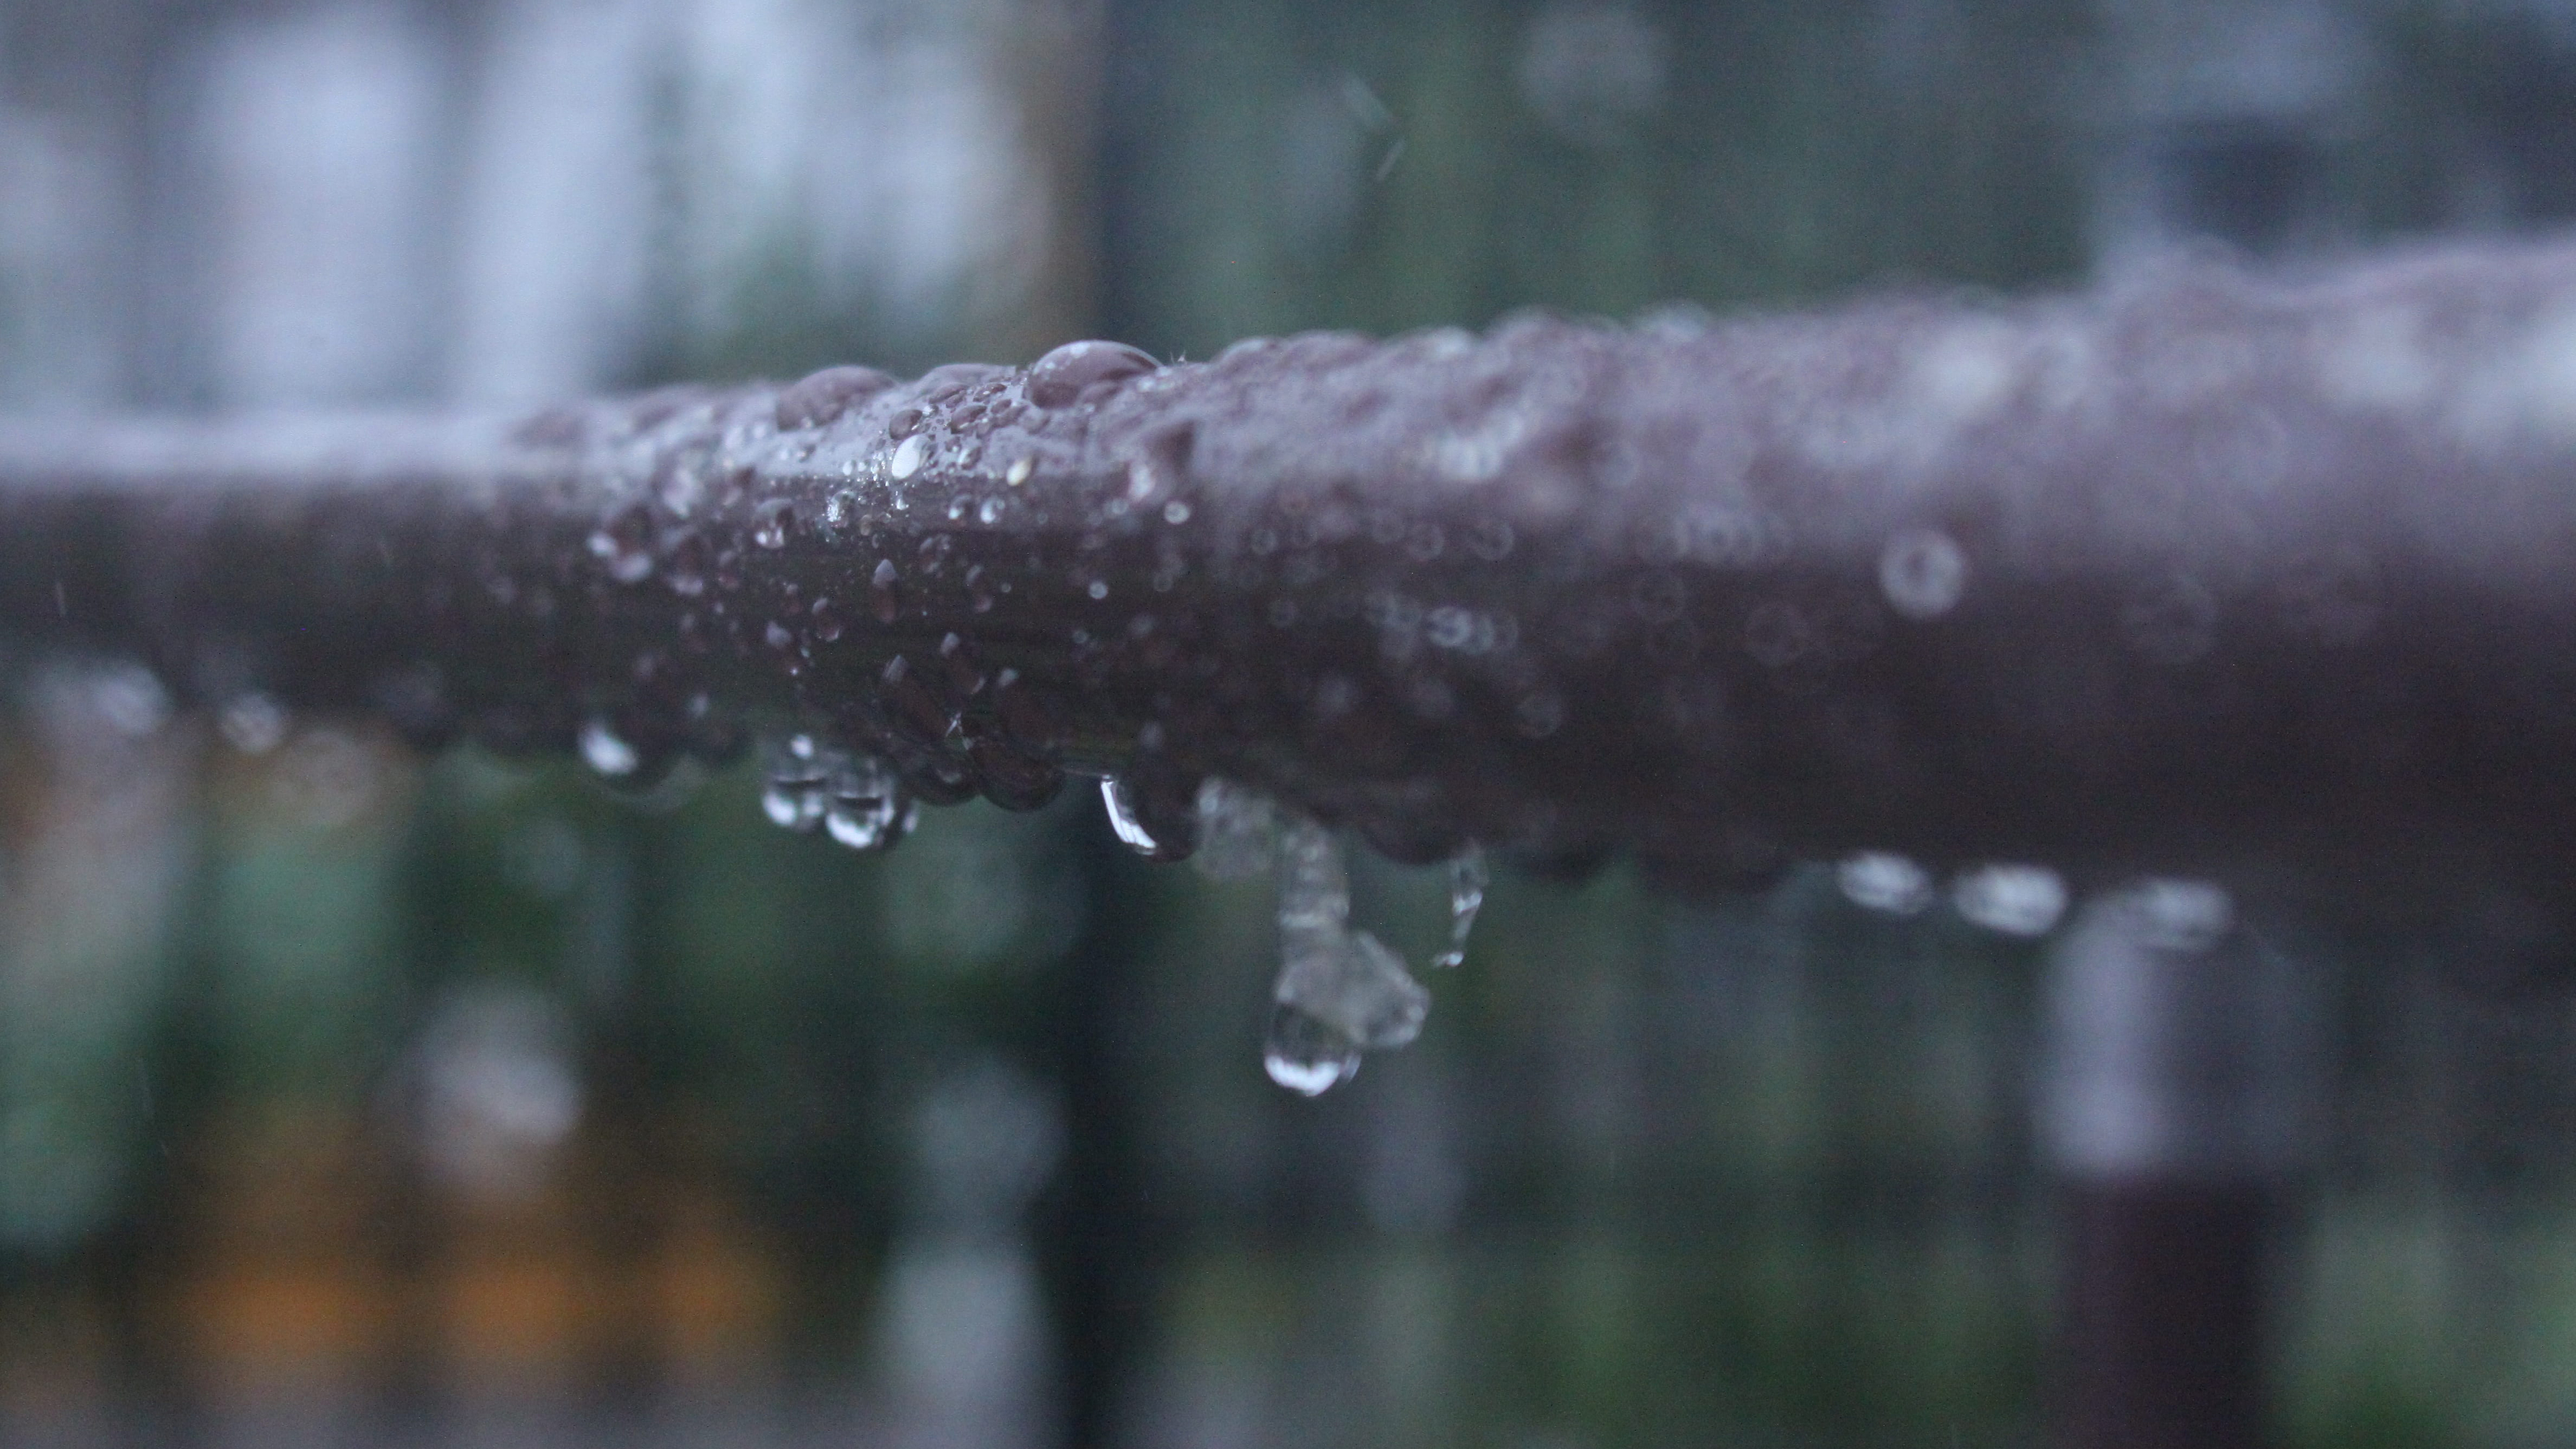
[2260, 579]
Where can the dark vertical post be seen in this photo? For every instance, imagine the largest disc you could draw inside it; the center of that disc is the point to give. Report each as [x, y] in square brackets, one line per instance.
[2176, 1104]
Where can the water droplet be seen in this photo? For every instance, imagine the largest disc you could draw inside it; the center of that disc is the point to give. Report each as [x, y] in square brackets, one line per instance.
[1009, 776]
[1923, 573]
[868, 809]
[1060, 377]
[786, 807]
[2017, 900]
[2184, 915]
[1176, 512]
[1305, 1055]
[824, 620]
[1343, 978]
[842, 510]
[991, 512]
[883, 601]
[606, 752]
[1878, 880]
[796, 769]
[907, 457]
[822, 397]
[1097, 588]
[777, 635]
[623, 544]
[771, 523]
[252, 723]
[1131, 832]
[1236, 825]
[1468, 878]
[1019, 471]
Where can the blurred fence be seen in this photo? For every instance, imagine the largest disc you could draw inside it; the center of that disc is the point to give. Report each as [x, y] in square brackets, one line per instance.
[347, 1095]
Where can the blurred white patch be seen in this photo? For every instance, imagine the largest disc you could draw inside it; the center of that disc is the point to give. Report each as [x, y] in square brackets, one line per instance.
[2016, 900]
[1592, 71]
[498, 1094]
[316, 136]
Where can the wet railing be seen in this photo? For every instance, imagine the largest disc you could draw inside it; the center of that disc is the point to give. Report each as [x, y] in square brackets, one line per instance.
[2212, 597]
[2253, 578]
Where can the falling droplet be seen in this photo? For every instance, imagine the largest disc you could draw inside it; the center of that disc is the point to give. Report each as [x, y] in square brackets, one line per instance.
[1305, 1055]
[1879, 880]
[2016, 900]
[1468, 878]
[604, 751]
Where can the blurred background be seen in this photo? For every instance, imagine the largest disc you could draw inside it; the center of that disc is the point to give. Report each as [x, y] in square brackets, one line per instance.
[348, 1097]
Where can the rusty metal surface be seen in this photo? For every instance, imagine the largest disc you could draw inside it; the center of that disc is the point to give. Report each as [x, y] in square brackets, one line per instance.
[2258, 578]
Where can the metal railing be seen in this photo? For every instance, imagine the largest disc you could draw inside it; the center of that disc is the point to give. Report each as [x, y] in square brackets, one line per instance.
[2256, 579]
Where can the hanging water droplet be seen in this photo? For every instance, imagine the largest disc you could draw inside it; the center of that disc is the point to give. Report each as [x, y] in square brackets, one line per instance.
[1305, 1055]
[604, 751]
[796, 769]
[1097, 588]
[1176, 512]
[1346, 979]
[1236, 826]
[1879, 880]
[252, 723]
[868, 809]
[991, 512]
[2017, 900]
[771, 522]
[908, 456]
[1122, 819]
[1019, 471]
[1468, 878]
[786, 807]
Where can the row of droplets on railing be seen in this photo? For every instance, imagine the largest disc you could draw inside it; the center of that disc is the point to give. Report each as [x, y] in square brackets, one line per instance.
[1339, 992]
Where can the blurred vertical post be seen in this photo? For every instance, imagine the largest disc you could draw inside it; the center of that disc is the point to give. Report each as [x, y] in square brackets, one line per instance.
[2180, 1050]
[2177, 1098]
